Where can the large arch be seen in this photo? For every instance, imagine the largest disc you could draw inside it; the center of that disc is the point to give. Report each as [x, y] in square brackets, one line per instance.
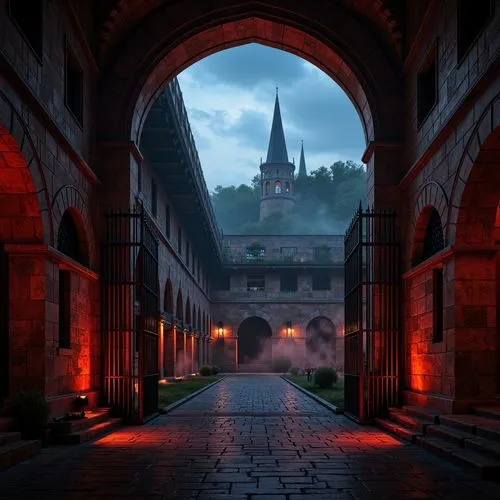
[254, 342]
[476, 274]
[179, 307]
[188, 312]
[327, 34]
[25, 217]
[321, 336]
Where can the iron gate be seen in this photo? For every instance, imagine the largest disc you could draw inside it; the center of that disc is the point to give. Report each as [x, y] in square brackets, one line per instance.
[372, 315]
[130, 314]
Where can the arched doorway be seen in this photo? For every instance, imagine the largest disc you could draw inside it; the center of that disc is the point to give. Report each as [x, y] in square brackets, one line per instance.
[254, 344]
[320, 342]
[23, 197]
[474, 332]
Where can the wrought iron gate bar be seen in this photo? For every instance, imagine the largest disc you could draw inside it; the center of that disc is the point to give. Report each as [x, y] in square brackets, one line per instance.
[372, 314]
[130, 340]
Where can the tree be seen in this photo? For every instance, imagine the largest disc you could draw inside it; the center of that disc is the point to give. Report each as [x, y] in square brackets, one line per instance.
[325, 202]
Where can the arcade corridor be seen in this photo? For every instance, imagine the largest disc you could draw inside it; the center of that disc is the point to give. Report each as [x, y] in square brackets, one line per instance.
[248, 437]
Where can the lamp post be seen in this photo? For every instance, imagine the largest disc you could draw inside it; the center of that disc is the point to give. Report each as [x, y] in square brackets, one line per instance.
[220, 330]
[288, 330]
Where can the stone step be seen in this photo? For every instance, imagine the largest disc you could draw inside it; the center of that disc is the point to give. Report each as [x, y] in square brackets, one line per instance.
[483, 446]
[9, 437]
[18, 451]
[89, 433]
[486, 467]
[475, 424]
[397, 429]
[406, 420]
[422, 413]
[492, 412]
[70, 426]
[449, 434]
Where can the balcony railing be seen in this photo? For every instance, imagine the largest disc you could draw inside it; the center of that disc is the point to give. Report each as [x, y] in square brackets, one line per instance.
[303, 257]
[174, 98]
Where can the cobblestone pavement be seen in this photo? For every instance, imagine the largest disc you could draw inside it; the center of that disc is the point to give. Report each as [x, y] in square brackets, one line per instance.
[246, 438]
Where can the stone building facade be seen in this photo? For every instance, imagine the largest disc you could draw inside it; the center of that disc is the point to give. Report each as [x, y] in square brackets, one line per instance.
[77, 84]
[296, 285]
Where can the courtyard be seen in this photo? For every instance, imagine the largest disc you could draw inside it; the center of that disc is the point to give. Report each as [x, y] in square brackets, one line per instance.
[247, 437]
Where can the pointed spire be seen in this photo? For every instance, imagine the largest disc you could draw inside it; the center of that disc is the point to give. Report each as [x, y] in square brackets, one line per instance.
[302, 164]
[277, 153]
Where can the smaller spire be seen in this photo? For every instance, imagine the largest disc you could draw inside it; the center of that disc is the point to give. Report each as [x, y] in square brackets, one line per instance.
[302, 164]
[276, 91]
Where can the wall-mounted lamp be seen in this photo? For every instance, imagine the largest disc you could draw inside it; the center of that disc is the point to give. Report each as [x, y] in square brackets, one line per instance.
[81, 402]
[220, 330]
[289, 329]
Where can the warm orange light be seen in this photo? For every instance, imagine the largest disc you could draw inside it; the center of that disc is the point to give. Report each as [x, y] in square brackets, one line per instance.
[220, 330]
[289, 329]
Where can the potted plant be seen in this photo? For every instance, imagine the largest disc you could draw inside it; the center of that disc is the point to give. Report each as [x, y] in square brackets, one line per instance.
[31, 410]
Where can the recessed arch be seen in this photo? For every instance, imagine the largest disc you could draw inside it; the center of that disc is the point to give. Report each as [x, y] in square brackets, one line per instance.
[327, 34]
[179, 307]
[71, 238]
[188, 311]
[168, 300]
[321, 342]
[68, 197]
[23, 189]
[428, 235]
[254, 341]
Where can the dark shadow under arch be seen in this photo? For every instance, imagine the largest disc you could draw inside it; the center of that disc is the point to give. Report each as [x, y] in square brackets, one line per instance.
[252, 335]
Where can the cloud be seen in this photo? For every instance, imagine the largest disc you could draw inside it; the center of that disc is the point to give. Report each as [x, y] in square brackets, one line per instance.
[230, 96]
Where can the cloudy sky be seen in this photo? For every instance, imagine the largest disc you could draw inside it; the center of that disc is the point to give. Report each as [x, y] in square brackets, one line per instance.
[230, 96]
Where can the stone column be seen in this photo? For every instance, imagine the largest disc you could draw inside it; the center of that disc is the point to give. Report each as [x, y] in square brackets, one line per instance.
[185, 353]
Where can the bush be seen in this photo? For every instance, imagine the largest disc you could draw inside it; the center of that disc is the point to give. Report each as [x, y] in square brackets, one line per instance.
[205, 370]
[32, 411]
[281, 364]
[215, 370]
[294, 371]
[325, 377]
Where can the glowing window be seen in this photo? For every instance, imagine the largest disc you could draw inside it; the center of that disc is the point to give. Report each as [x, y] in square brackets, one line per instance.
[277, 187]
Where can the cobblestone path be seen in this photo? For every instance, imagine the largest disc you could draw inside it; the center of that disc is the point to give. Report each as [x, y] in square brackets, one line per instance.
[246, 438]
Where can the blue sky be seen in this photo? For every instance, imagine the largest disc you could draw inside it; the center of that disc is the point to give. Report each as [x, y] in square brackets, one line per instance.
[229, 97]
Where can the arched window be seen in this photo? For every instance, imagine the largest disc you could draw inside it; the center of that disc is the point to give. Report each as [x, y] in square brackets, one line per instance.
[68, 239]
[266, 188]
[287, 187]
[434, 238]
[277, 187]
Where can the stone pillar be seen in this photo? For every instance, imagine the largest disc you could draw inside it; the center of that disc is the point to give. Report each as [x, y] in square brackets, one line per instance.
[179, 351]
[170, 348]
[185, 358]
[31, 313]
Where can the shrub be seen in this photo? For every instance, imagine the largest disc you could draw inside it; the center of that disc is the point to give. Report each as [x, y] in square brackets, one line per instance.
[325, 377]
[215, 370]
[294, 370]
[281, 364]
[32, 411]
[205, 370]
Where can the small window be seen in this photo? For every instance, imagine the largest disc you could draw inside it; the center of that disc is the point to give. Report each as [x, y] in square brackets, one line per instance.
[434, 236]
[167, 221]
[28, 17]
[287, 187]
[427, 94]
[256, 283]
[179, 241]
[288, 253]
[472, 18]
[73, 85]
[437, 306]
[64, 309]
[321, 282]
[154, 198]
[288, 283]
[277, 187]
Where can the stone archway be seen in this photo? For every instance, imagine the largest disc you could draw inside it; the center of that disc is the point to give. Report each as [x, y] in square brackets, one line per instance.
[327, 34]
[25, 222]
[321, 342]
[254, 344]
[476, 290]
[168, 300]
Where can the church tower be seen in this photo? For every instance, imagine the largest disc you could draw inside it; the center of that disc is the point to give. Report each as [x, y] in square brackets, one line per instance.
[276, 173]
